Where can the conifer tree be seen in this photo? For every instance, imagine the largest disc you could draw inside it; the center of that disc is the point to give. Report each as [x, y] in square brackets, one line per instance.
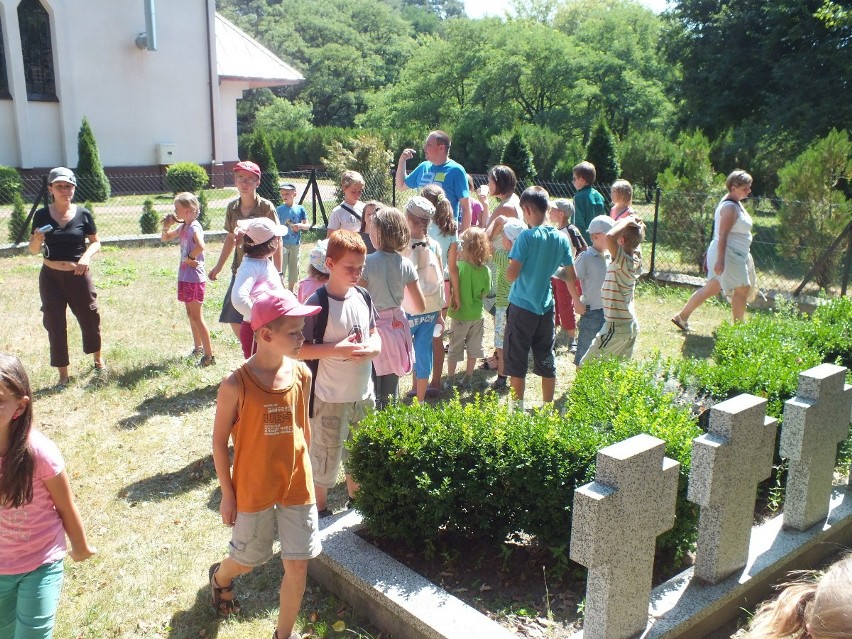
[18, 220]
[149, 221]
[203, 219]
[92, 182]
[603, 154]
[260, 152]
[517, 155]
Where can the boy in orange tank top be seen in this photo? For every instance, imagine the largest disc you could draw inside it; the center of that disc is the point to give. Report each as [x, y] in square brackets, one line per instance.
[263, 407]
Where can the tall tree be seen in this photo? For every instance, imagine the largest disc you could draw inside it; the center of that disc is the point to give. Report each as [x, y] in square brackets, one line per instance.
[770, 64]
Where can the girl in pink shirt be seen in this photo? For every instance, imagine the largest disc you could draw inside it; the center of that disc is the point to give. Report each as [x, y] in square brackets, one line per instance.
[36, 511]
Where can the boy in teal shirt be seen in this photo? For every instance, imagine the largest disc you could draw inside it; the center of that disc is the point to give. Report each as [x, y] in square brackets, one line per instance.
[294, 217]
[538, 253]
[588, 203]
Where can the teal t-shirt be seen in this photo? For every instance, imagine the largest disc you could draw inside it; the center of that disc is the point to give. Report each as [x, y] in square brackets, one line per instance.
[588, 204]
[292, 215]
[541, 250]
[474, 283]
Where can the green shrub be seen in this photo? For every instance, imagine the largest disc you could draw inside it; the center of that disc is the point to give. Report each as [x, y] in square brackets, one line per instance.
[474, 470]
[203, 218]
[90, 208]
[602, 152]
[18, 220]
[92, 182]
[149, 222]
[644, 155]
[11, 184]
[690, 191]
[518, 156]
[815, 208]
[366, 154]
[186, 176]
[831, 331]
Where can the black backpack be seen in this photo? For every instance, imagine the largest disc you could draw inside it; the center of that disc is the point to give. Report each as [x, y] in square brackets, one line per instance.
[320, 322]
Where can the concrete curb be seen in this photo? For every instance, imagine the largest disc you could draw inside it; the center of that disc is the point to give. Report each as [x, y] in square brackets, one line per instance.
[394, 598]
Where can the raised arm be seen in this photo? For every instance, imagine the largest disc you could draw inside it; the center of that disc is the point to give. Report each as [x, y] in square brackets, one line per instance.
[401, 173]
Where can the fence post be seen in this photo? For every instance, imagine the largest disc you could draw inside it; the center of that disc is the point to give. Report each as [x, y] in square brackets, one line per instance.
[393, 188]
[846, 270]
[654, 233]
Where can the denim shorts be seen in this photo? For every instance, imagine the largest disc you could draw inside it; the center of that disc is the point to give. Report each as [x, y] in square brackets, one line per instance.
[499, 325]
[590, 324]
[253, 534]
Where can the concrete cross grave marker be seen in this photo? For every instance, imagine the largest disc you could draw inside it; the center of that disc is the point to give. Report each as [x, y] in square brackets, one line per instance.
[615, 524]
[816, 420]
[727, 464]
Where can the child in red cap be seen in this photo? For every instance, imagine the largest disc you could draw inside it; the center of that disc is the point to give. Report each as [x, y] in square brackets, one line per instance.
[262, 407]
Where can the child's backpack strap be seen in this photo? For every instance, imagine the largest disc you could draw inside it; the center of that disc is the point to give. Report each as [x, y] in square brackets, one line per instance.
[320, 324]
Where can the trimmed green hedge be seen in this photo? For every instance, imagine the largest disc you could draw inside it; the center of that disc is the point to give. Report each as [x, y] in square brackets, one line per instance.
[482, 471]
[187, 176]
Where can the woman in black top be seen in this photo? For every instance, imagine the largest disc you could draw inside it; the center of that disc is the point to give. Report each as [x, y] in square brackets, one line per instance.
[62, 230]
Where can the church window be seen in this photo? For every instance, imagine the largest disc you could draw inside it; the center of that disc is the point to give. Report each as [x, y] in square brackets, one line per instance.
[37, 50]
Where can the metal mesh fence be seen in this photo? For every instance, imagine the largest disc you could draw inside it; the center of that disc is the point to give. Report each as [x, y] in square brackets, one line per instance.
[674, 247]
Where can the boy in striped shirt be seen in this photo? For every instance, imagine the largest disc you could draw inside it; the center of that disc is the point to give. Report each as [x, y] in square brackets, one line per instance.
[618, 335]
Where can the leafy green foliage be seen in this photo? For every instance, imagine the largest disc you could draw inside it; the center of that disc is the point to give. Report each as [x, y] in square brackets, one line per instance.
[722, 47]
[814, 207]
[283, 115]
[602, 152]
[367, 155]
[691, 190]
[470, 469]
[18, 220]
[260, 152]
[186, 176]
[644, 155]
[149, 221]
[765, 355]
[92, 182]
[517, 155]
[10, 184]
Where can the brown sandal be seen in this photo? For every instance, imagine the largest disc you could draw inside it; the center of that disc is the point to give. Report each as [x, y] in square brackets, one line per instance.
[225, 607]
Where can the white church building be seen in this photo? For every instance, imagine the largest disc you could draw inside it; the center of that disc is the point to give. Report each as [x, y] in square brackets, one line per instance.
[158, 81]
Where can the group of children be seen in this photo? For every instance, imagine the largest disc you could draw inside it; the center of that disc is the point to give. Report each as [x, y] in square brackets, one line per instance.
[318, 363]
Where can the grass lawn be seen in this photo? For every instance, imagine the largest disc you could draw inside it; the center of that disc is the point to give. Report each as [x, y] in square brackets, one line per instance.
[137, 447]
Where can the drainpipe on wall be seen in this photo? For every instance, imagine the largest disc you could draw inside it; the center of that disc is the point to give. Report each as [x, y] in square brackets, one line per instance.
[148, 40]
[217, 173]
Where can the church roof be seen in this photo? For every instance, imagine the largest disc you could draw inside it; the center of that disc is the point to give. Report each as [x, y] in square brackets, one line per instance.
[240, 57]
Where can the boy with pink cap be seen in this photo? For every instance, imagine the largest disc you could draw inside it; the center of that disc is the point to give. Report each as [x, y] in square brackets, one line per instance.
[248, 205]
[262, 406]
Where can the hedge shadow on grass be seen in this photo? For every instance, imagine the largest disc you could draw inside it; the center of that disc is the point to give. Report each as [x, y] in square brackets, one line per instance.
[166, 485]
[186, 402]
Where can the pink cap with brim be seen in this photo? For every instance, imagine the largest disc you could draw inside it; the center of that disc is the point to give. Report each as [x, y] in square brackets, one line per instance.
[261, 229]
[251, 167]
[270, 306]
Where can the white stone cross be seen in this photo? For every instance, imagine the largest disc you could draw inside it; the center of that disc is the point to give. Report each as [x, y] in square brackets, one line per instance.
[615, 524]
[727, 464]
[816, 420]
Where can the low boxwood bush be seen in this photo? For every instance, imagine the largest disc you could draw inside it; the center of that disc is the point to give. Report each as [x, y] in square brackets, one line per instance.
[11, 184]
[765, 355]
[482, 471]
[186, 176]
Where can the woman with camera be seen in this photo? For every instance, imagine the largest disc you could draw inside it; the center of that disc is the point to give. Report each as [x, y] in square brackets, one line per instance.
[61, 231]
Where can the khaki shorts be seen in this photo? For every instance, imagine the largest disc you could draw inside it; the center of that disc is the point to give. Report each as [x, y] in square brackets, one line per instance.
[613, 340]
[253, 534]
[330, 428]
[466, 334]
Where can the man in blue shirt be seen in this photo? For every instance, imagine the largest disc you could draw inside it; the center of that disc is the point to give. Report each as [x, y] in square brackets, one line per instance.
[439, 169]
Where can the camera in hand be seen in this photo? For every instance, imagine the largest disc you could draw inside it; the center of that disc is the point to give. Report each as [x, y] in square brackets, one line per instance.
[47, 228]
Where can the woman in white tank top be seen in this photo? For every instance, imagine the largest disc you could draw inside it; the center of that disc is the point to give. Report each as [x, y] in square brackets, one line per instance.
[729, 263]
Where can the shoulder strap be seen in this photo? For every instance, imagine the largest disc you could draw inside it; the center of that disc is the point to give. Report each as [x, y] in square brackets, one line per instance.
[349, 209]
[320, 323]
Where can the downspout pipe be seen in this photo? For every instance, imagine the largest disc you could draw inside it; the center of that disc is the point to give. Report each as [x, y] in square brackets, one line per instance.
[148, 40]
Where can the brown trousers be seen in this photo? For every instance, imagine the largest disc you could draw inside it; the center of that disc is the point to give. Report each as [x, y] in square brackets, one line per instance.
[61, 289]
